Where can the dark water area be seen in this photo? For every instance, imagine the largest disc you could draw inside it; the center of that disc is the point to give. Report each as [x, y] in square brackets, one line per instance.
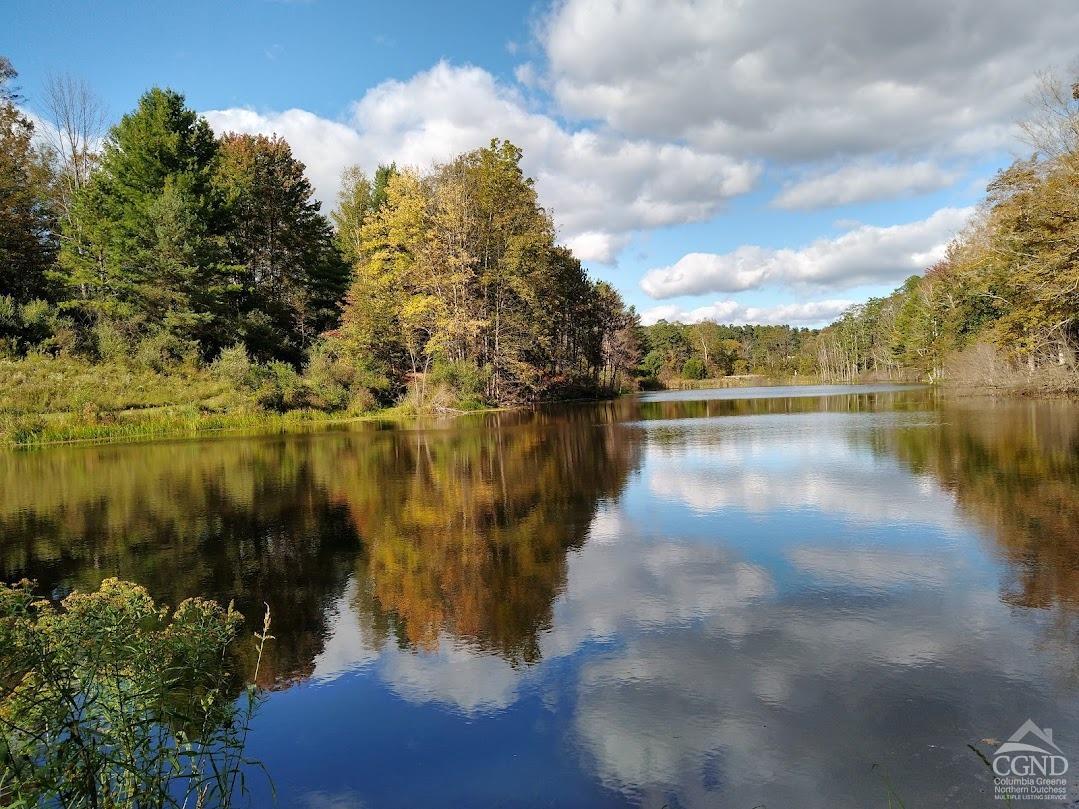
[781, 597]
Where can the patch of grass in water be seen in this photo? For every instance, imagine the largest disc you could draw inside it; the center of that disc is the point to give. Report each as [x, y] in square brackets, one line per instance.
[37, 431]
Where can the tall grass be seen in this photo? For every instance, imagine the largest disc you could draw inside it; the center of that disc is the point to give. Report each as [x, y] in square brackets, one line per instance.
[39, 384]
[37, 431]
[110, 701]
[52, 400]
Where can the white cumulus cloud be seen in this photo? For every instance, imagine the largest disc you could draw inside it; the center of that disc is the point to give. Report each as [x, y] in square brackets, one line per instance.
[806, 313]
[600, 187]
[859, 182]
[863, 255]
[593, 245]
[806, 81]
[325, 146]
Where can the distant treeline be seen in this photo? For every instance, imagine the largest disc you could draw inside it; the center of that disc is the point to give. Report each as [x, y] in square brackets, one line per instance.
[709, 350]
[166, 248]
[1000, 309]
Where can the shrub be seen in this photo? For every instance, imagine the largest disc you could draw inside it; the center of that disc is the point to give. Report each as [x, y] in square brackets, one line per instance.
[329, 378]
[361, 401]
[35, 326]
[693, 369]
[65, 338]
[9, 314]
[234, 366]
[46, 329]
[466, 381]
[652, 364]
[9, 326]
[279, 387]
[164, 351]
[38, 318]
[110, 343]
[110, 700]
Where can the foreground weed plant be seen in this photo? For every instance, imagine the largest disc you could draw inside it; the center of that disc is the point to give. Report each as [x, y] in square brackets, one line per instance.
[109, 700]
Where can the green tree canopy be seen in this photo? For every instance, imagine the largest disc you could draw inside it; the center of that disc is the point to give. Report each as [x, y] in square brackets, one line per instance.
[460, 266]
[146, 246]
[286, 275]
[28, 238]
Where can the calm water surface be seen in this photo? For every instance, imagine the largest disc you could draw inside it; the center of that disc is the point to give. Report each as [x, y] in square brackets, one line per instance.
[784, 597]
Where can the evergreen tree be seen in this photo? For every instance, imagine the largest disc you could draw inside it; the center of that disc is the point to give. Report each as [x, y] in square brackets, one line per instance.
[286, 275]
[146, 246]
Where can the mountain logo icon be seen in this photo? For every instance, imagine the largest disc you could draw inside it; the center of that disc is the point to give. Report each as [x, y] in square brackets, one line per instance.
[1030, 752]
[1017, 744]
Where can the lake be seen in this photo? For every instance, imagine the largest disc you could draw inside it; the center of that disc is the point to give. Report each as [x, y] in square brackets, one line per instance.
[806, 596]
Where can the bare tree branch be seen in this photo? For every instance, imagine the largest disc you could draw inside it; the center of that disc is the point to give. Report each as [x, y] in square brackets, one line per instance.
[75, 118]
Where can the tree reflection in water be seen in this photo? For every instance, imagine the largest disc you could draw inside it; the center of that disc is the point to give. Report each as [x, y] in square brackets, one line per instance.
[461, 528]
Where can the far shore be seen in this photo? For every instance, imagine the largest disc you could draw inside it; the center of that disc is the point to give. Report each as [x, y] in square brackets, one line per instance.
[171, 422]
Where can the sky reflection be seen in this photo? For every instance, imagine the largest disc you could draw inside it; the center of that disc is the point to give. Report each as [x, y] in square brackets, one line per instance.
[801, 602]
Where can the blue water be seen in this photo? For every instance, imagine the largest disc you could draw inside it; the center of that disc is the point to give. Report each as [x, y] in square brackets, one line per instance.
[793, 597]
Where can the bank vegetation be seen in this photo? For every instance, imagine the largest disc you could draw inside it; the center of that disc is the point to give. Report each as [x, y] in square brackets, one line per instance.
[172, 277]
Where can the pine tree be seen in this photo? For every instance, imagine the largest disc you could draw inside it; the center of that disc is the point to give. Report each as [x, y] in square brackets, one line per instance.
[287, 276]
[145, 246]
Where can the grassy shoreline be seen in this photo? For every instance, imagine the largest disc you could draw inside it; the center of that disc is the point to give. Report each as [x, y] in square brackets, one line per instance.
[27, 432]
[49, 401]
[60, 429]
[22, 431]
[46, 401]
[189, 420]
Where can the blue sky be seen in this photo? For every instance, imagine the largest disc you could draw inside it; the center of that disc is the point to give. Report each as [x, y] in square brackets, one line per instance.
[769, 161]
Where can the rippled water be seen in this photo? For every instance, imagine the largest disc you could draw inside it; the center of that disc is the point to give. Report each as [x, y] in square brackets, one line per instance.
[789, 597]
